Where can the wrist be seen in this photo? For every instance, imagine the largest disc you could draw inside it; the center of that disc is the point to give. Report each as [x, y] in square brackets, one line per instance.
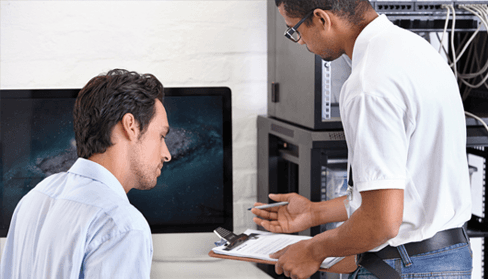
[319, 213]
[315, 214]
[316, 248]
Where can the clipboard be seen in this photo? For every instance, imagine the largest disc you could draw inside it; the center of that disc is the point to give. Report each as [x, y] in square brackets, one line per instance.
[252, 260]
[231, 239]
[237, 247]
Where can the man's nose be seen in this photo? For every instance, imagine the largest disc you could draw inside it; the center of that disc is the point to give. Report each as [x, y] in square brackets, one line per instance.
[166, 155]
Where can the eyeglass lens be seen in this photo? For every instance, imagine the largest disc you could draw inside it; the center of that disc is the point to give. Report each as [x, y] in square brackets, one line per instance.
[293, 35]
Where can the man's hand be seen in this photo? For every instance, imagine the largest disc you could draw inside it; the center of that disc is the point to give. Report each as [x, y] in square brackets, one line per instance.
[298, 260]
[294, 217]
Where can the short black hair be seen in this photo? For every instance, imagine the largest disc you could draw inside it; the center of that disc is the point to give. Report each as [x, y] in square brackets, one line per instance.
[349, 9]
[105, 99]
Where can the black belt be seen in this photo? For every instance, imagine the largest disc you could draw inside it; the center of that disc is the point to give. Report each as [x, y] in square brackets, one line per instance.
[373, 261]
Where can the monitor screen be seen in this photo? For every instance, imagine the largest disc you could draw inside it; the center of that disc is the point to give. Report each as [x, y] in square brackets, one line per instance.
[194, 191]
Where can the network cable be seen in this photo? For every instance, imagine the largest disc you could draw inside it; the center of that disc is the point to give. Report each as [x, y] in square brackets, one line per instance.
[480, 11]
[477, 118]
[454, 59]
[441, 41]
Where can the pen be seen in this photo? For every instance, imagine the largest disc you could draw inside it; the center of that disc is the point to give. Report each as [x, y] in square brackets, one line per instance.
[268, 205]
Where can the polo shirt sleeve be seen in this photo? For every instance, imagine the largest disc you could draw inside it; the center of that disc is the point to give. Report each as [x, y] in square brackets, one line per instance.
[376, 130]
[126, 255]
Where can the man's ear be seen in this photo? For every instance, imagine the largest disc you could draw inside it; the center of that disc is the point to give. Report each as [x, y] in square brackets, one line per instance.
[130, 126]
[323, 18]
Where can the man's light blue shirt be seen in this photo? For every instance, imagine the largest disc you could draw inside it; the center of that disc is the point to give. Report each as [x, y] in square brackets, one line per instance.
[77, 224]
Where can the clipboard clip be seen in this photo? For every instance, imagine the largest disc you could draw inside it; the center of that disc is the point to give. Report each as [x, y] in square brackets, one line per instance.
[231, 239]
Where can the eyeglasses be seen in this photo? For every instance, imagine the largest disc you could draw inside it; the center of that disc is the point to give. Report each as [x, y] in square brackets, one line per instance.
[292, 33]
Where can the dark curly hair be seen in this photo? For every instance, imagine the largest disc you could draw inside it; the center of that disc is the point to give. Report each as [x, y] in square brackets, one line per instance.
[351, 10]
[103, 102]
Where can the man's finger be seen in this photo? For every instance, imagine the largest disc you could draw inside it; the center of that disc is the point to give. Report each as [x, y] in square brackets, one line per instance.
[258, 221]
[278, 254]
[278, 269]
[280, 197]
[272, 226]
[275, 226]
[265, 214]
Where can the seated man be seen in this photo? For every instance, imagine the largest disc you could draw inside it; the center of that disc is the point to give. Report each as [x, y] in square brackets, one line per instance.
[80, 224]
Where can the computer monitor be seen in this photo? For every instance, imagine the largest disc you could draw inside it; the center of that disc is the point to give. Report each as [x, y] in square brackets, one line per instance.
[194, 191]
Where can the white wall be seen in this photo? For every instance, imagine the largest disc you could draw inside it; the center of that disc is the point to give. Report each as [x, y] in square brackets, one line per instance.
[62, 44]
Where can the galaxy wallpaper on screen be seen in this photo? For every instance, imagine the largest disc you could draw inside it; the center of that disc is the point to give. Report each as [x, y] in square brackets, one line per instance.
[37, 140]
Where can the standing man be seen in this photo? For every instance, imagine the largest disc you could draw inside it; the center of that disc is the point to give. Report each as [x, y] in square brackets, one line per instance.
[80, 224]
[403, 119]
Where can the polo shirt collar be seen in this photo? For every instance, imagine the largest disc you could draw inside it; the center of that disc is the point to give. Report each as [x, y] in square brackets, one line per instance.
[376, 26]
[95, 171]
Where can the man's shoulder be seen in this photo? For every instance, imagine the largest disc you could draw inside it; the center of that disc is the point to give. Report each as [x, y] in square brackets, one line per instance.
[52, 185]
[112, 206]
[116, 222]
[108, 208]
[126, 217]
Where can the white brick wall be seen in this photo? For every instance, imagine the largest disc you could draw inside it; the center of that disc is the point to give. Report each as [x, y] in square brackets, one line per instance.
[62, 44]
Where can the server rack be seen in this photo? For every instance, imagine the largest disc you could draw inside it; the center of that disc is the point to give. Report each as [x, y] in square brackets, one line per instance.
[477, 144]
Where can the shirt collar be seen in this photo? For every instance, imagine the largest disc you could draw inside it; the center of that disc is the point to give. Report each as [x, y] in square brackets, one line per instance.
[376, 26]
[95, 171]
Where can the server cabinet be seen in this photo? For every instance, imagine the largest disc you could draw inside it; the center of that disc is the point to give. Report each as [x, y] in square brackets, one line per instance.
[302, 88]
[294, 159]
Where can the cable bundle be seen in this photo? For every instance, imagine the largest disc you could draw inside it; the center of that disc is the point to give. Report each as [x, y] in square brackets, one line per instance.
[474, 54]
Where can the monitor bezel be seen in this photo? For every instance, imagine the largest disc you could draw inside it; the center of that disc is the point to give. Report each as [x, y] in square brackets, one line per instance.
[223, 92]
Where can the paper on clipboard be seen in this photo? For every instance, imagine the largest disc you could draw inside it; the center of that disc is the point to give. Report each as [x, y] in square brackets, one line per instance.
[266, 243]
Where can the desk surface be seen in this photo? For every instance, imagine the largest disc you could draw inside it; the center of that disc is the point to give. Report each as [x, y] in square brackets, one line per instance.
[213, 269]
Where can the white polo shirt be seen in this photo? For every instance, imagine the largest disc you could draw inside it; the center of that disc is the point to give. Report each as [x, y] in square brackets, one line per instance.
[405, 129]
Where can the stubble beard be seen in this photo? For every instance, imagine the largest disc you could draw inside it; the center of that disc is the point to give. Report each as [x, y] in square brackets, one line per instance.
[328, 54]
[145, 182]
[141, 171]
